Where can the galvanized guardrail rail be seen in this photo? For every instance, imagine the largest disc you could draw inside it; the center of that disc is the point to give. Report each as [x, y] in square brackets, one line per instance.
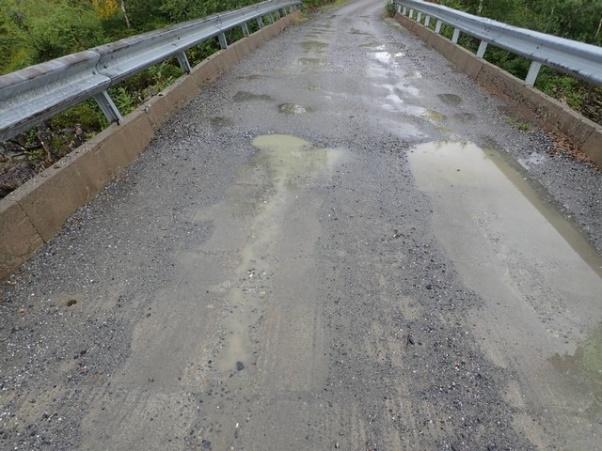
[572, 57]
[34, 94]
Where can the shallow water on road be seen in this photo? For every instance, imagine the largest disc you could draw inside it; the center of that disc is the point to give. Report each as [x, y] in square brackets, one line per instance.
[538, 278]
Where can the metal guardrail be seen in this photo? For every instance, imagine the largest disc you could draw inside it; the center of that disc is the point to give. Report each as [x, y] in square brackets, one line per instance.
[36, 93]
[572, 57]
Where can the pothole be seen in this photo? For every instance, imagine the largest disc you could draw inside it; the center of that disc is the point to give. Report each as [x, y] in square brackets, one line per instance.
[450, 99]
[293, 108]
[245, 96]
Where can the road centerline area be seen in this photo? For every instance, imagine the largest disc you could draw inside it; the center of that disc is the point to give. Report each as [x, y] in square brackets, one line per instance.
[326, 249]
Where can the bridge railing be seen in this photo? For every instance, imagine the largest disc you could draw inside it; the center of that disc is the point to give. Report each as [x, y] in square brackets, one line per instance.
[572, 57]
[36, 93]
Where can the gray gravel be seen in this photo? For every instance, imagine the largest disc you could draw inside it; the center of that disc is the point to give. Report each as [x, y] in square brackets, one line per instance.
[227, 293]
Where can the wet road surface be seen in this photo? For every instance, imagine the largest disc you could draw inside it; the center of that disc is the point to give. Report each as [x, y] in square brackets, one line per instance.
[343, 244]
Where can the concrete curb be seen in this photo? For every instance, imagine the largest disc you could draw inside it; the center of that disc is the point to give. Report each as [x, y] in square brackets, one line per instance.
[532, 104]
[35, 212]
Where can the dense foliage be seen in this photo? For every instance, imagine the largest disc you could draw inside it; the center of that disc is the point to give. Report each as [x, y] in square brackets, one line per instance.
[574, 19]
[32, 31]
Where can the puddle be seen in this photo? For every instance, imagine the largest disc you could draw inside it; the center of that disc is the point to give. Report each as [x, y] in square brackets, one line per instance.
[293, 108]
[314, 46]
[534, 159]
[450, 99]
[406, 90]
[310, 61]
[464, 117]
[245, 96]
[466, 167]
[252, 77]
[370, 45]
[355, 31]
[537, 279]
[220, 121]
[385, 58]
[584, 368]
[435, 116]
[282, 165]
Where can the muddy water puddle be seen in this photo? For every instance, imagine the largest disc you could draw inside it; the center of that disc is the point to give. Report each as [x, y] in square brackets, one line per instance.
[293, 108]
[311, 62]
[450, 99]
[357, 32]
[246, 96]
[464, 117]
[583, 368]
[220, 121]
[314, 46]
[283, 165]
[438, 159]
[537, 278]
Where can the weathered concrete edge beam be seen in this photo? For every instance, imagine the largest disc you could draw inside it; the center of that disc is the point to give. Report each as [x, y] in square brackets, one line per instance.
[527, 101]
[36, 211]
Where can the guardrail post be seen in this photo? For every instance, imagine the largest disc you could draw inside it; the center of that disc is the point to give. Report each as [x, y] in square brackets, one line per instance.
[456, 35]
[260, 22]
[183, 62]
[223, 42]
[404, 11]
[108, 107]
[427, 21]
[438, 26]
[411, 13]
[419, 17]
[533, 72]
[245, 29]
[482, 49]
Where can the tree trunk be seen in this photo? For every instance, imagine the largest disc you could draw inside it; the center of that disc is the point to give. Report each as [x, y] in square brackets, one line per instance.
[599, 28]
[125, 14]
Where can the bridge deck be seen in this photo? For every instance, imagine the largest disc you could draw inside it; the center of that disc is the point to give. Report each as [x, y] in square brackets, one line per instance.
[335, 246]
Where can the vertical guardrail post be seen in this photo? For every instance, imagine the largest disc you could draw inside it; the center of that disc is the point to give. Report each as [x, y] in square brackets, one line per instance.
[418, 17]
[533, 73]
[456, 35]
[183, 62]
[438, 26]
[482, 49]
[245, 29]
[427, 21]
[411, 13]
[260, 22]
[404, 11]
[223, 42]
[108, 107]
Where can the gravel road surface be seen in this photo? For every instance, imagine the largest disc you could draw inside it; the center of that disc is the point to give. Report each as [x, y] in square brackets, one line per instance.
[342, 244]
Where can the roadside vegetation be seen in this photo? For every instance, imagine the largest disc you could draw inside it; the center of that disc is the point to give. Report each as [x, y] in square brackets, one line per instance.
[580, 20]
[34, 31]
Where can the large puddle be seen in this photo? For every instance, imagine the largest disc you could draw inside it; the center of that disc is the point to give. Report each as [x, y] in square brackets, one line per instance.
[289, 164]
[538, 279]
[462, 165]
